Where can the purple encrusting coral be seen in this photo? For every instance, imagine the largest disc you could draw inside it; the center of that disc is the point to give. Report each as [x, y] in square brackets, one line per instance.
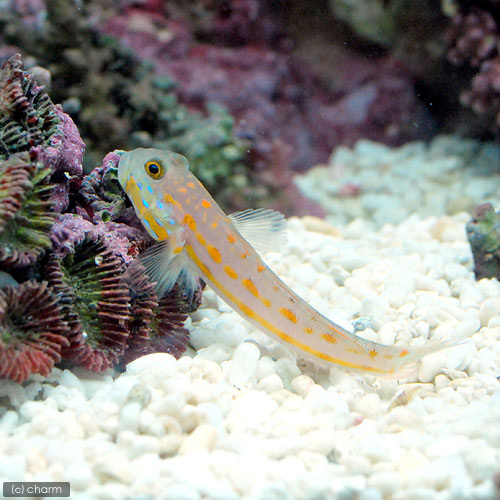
[77, 234]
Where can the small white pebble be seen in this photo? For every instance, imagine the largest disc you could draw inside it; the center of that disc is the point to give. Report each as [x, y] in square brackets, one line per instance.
[302, 385]
[244, 365]
[266, 366]
[165, 363]
[489, 309]
[287, 369]
[204, 437]
[13, 467]
[68, 379]
[270, 383]
[441, 381]
[431, 365]
[129, 416]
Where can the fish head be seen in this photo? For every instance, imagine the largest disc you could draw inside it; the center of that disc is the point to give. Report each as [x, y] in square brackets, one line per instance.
[149, 166]
[147, 175]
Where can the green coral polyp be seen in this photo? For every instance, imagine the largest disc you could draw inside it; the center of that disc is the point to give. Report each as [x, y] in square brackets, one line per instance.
[26, 215]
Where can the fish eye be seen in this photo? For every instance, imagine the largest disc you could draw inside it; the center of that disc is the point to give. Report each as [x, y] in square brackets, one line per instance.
[154, 169]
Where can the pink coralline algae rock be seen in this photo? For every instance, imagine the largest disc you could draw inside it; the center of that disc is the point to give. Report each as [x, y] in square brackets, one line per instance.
[119, 238]
[64, 155]
[474, 39]
[271, 95]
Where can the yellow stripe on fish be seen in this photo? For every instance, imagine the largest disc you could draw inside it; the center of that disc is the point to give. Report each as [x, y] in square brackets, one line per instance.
[195, 238]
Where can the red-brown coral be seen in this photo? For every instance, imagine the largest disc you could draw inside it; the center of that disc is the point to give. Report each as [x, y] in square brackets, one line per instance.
[94, 301]
[32, 331]
[89, 235]
[156, 325]
[143, 300]
[27, 115]
[170, 335]
[31, 123]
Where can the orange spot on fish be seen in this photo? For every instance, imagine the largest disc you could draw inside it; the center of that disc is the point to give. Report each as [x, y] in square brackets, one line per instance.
[214, 253]
[250, 286]
[243, 255]
[178, 249]
[308, 330]
[191, 185]
[200, 238]
[331, 339]
[289, 315]
[373, 353]
[214, 225]
[206, 204]
[188, 219]
[261, 269]
[354, 351]
[182, 190]
[204, 269]
[231, 272]
[168, 199]
[266, 302]
[231, 238]
[275, 288]
[403, 353]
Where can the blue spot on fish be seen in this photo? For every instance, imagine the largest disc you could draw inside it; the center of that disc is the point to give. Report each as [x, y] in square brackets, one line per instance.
[158, 221]
[159, 204]
[169, 232]
[145, 203]
[150, 189]
[139, 185]
[171, 222]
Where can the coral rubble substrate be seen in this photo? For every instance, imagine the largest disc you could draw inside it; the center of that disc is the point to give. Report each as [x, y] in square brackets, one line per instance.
[244, 420]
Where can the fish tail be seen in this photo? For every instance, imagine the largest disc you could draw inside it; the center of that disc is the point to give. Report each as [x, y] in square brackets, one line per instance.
[401, 361]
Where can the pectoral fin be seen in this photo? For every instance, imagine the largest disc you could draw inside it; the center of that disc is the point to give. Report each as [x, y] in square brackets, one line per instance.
[263, 228]
[165, 263]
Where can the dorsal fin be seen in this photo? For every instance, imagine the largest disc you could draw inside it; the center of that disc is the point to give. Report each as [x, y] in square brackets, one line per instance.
[264, 229]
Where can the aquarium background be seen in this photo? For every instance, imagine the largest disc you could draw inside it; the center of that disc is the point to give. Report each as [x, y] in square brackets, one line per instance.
[373, 125]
